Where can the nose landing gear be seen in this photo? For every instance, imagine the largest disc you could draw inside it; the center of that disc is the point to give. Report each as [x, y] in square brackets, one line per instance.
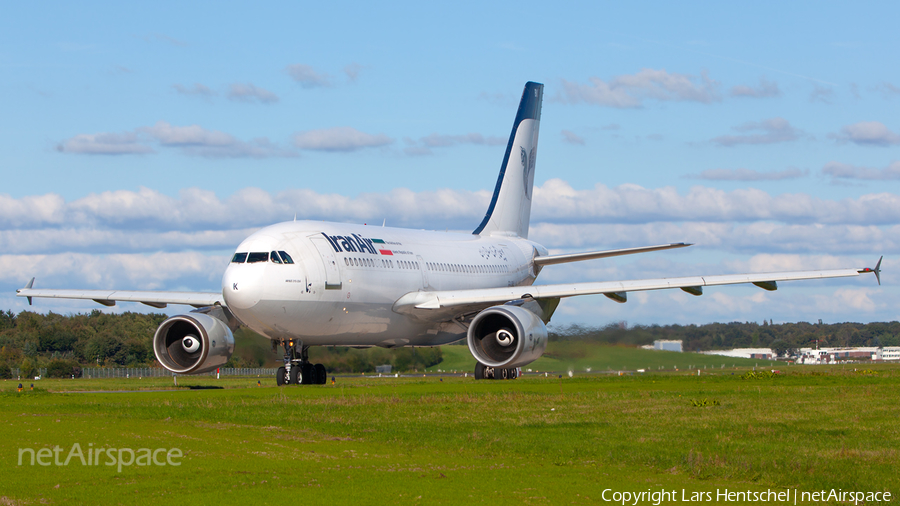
[297, 369]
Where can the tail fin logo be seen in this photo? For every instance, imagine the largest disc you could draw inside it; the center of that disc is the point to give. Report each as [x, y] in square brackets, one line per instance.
[527, 169]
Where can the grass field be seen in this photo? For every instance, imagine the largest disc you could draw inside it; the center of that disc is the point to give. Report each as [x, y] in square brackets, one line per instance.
[449, 440]
[578, 356]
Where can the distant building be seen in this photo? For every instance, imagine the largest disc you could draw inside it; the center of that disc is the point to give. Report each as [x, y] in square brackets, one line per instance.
[890, 353]
[832, 355]
[817, 355]
[667, 345]
[383, 368]
[756, 353]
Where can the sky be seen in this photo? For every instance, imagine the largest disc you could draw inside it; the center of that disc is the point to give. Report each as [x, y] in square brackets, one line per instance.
[141, 142]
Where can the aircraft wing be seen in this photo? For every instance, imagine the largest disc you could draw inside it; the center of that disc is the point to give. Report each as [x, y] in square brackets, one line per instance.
[461, 301]
[110, 297]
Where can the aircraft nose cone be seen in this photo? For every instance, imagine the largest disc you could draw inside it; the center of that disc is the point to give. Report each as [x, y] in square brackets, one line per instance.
[240, 288]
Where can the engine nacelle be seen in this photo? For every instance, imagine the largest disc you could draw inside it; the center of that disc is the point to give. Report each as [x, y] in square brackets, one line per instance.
[193, 343]
[507, 336]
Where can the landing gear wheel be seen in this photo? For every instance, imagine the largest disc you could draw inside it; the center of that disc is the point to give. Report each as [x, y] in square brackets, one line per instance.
[280, 376]
[321, 374]
[513, 373]
[296, 379]
[306, 371]
[484, 372]
[504, 374]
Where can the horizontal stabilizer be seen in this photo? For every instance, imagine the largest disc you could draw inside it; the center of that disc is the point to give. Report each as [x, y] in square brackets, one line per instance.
[591, 255]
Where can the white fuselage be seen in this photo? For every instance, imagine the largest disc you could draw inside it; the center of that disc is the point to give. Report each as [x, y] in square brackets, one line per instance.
[344, 280]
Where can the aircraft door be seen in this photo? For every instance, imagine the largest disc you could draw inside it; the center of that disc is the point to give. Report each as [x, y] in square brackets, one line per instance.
[423, 267]
[332, 271]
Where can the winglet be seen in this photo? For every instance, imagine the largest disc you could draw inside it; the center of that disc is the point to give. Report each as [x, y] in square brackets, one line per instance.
[876, 270]
[28, 286]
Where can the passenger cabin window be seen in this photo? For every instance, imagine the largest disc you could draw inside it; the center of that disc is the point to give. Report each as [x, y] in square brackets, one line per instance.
[238, 258]
[285, 257]
[257, 257]
[273, 256]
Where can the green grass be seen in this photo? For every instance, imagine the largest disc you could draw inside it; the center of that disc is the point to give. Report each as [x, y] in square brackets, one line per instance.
[578, 356]
[454, 440]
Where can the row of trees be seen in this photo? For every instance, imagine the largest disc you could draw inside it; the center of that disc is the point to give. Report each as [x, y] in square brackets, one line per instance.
[64, 344]
[717, 336]
[30, 340]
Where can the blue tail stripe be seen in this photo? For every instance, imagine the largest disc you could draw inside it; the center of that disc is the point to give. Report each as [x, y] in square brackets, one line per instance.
[529, 108]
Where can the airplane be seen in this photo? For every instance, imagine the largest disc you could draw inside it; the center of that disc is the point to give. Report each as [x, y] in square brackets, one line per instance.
[311, 283]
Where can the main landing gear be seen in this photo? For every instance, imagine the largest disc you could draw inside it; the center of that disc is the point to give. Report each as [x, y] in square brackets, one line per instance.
[484, 372]
[297, 370]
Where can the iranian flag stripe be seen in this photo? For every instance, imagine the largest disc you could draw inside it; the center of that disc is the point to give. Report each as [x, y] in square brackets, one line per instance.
[386, 252]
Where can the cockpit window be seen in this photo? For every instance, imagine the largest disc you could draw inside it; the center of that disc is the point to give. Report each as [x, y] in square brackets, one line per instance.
[285, 257]
[238, 258]
[273, 256]
[257, 257]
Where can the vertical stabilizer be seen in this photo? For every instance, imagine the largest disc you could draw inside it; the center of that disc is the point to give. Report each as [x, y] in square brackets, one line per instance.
[510, 209]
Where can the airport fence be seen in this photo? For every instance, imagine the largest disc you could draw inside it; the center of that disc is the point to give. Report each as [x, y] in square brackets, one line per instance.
[153, 372]
[156, 372]
[15, 372]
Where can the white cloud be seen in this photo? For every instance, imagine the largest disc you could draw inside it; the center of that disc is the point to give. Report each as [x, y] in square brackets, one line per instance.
[847, 171]
[424, 145]
[198, 141]
[749, 174]
[101, 240]
[160, 37]
[308, 78]
[735, 238]
[438, 140]
[147, 240]
[821, 94]
[602, 217]
[197, 90]
[766, 89]
[123, 271]
[352, 71]
[339, 139]
[104, 144]
[191, 140]
[888, 90]
[867, 133]
[631, 90]
[249, 93]
[770, 131]
[554, 202]
[572, 138]
[169, 135]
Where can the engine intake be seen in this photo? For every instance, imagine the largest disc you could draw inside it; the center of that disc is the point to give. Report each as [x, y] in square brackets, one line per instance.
[507, 336]
[193, 343]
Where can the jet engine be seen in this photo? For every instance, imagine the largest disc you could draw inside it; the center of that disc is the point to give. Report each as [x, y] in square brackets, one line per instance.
[194, 343]
[507, 336]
